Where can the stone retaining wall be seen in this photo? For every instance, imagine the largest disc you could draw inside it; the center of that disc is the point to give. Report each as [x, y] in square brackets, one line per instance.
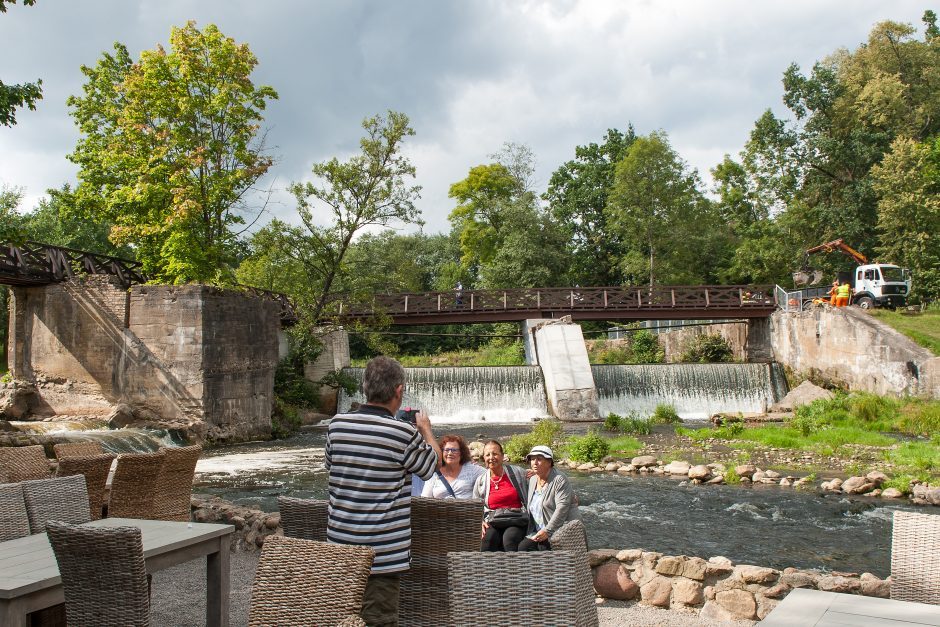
[715, 588]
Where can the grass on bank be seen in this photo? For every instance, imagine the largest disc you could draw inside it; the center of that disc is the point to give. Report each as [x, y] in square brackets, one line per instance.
[496, 353]
[923, 328]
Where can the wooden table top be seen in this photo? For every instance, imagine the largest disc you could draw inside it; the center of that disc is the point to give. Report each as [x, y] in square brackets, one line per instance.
[28, 564]
[827, 609]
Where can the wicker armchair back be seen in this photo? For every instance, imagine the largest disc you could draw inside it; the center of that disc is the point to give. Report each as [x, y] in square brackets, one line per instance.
[175, 486]
[14, 522]
[23, 463]
[103, 574]
[134, 485]
[77, 449]
[304, 582]
[303, 518]
[915, 557]
[63, 498]
[571, 536]
[95, 469]
[520, 589]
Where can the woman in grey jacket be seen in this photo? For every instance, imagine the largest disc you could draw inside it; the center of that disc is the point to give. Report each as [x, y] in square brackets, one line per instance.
[501, 487]
[551, 501]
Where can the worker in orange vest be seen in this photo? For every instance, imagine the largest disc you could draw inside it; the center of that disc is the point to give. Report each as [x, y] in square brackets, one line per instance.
[833, 293]
[842, 295]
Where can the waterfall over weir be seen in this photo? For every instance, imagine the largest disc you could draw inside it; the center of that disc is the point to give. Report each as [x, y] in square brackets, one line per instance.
[127, 440]
[697, 391]
[496, 394]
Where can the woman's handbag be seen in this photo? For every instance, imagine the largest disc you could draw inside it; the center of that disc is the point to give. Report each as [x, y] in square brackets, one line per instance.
[509, 517]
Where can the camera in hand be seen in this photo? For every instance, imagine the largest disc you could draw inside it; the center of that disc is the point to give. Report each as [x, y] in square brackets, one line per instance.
[408, 414]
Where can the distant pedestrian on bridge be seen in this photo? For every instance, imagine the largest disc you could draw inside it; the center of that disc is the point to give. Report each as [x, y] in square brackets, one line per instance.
[458, 293]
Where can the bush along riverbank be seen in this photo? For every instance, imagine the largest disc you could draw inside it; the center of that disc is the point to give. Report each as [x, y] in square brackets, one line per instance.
[856, 443]
[715, 588]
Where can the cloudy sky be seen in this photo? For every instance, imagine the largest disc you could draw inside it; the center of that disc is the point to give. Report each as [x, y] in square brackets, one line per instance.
[471, 74]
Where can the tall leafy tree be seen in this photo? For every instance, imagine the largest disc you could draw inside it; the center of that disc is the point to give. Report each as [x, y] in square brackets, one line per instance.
[13, 97]
[171, 151]
[577, 194]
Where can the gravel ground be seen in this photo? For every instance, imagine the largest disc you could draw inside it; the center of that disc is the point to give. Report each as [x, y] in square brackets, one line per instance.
[178, 599]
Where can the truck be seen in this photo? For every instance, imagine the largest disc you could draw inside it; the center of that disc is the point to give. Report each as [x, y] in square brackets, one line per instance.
[873, 284]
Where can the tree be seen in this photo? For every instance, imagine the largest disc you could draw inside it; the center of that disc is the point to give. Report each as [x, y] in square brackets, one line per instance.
[577, 194]
[170, 152]
[658, 212]
[54, 222]
[908, 182]
[12, 97]
[479, 217]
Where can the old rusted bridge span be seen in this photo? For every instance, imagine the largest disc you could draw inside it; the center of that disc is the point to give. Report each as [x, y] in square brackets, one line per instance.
[581, 303]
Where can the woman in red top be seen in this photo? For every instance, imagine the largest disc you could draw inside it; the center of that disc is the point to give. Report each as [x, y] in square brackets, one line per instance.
[501, 487]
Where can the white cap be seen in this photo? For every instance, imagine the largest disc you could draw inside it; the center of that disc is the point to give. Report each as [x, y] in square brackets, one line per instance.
[544, 451]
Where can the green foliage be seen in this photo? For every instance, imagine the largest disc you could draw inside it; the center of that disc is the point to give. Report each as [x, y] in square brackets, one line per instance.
[920, 459]
[339, 380]
[899, 482]
[170, 149]
[625, 445]
[646, 348]
[285, 420]
[612, 422]
[665, 414]
[707, 348]
[923, 328]
[291, 388]
[590, 447]
[13, 97]
[499, 352]
[628, 424]
[545, 432]
[731, 476]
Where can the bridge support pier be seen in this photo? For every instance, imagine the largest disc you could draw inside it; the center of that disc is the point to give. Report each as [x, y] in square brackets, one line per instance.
[335, 356]
[558, 347]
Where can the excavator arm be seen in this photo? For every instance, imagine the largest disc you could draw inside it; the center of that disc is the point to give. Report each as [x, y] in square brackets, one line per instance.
[841, 246]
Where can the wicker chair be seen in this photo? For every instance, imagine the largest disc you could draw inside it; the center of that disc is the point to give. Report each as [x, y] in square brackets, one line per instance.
[77, 449]
[64, 499]
[571, 536]
[175, 486]
[303, 518]
[103, 574]
[438, 526]
[134, 485]
[14, 522]
[521, 589]
[915, 557]
[95, 469]
[304, 582]
[23, 463]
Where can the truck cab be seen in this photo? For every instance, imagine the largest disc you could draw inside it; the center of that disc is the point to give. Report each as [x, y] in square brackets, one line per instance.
[881, 285]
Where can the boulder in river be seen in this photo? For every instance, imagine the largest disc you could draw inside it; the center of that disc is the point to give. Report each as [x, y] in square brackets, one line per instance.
[857, 485]
[677, 468]
[700, 472]
[643, 461]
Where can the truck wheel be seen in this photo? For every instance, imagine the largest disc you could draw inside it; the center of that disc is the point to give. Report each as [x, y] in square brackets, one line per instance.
[865, 302]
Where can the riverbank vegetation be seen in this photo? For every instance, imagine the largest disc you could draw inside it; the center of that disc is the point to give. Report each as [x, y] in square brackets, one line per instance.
[922, 327]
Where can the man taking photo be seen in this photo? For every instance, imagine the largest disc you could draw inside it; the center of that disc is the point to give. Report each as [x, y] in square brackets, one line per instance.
[370, 455]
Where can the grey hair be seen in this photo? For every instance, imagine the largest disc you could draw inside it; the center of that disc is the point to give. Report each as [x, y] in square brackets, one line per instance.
[381, 377]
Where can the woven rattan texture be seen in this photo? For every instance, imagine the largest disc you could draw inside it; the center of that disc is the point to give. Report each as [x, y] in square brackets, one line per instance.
[77, 449]
[303, 518]
[304, 582]
[915, 557]
[14, 523]
[438, 526]
[175, 486]
[22, 463]
[64, 499]
[95, 469]
[570, 537]
[134, 484]
[103, 574]
[548, 588]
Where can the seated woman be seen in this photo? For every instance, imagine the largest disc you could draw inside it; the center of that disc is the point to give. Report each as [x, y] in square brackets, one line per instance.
[458, 469]
[501, 488]
[551, 502]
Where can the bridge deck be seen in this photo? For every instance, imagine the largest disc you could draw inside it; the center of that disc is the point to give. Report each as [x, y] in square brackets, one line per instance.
[588, 303]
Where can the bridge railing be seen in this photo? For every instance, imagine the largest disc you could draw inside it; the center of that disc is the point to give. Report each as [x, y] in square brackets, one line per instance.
[555, 299]
[34, 262]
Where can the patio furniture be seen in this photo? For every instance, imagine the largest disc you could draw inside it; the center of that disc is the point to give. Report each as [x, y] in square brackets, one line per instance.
[303, 518]
[438, 526]
[520, 589]
[14, 522]
[29, 575]
[133, 488]
[64, 499]
[305, 582]
[571, 536]
[95, 469]
[175, 485]
[22, 463]
[77, 449]
[803, 606]
[103, 573]
[915, 557]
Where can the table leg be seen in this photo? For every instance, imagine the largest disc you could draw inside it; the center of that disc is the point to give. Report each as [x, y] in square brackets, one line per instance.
[218, 587]
[11, 615]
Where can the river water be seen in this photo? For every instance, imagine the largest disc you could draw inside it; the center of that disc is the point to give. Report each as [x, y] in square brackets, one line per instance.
[762, 525]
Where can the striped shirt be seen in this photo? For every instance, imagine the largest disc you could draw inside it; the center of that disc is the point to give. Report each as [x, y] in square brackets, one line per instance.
[370, 456]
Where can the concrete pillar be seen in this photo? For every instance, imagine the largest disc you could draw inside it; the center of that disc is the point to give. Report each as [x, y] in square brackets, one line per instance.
[558, 347]
[758, 347]
[335, 356]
